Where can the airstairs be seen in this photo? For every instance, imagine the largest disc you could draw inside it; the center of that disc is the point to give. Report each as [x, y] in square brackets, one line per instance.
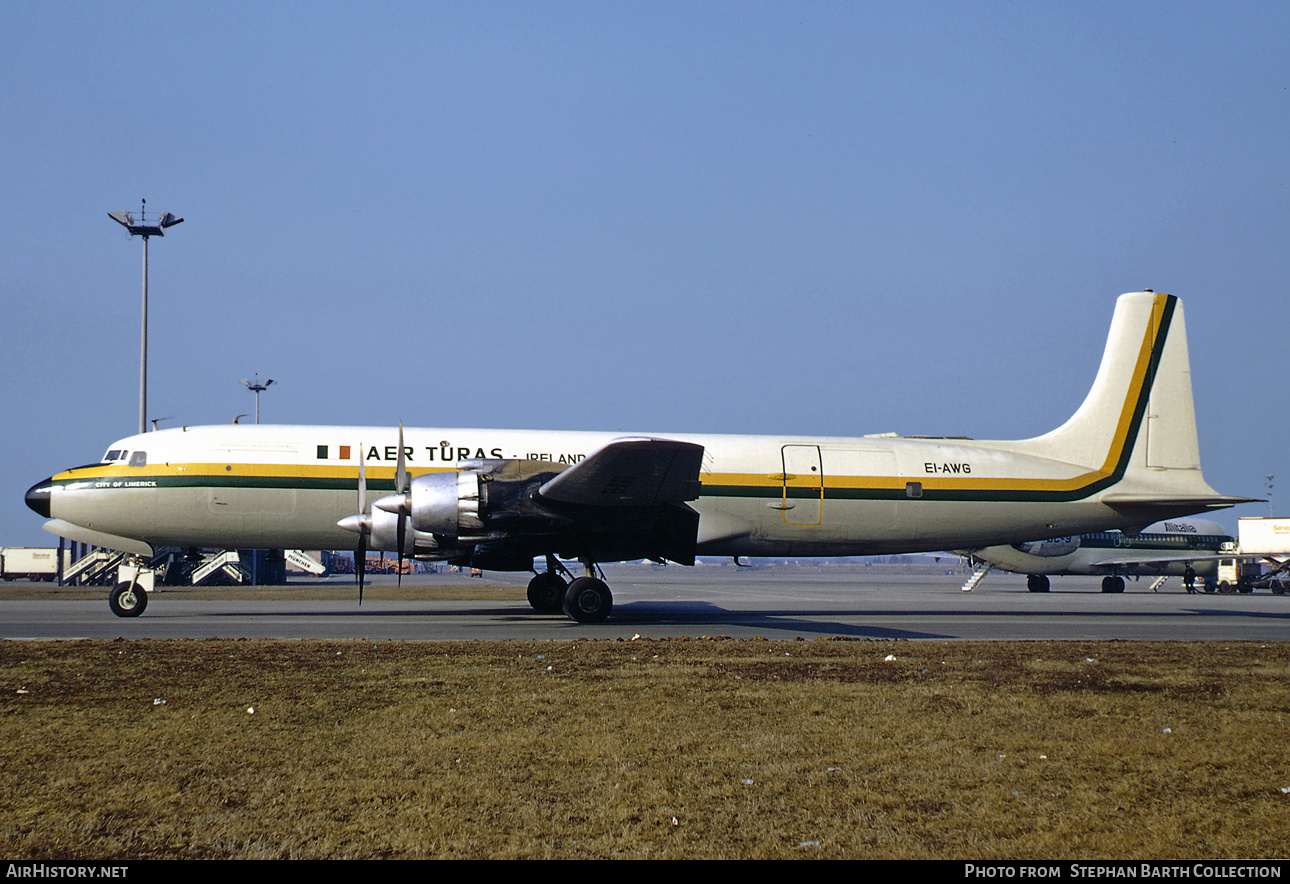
[178, 567]
[99, 567]
[96, 568]
[305, 562]
[978, 574]
[227, 564]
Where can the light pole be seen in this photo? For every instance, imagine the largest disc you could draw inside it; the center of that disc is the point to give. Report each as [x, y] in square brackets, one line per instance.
[144, 229]
[257, 388]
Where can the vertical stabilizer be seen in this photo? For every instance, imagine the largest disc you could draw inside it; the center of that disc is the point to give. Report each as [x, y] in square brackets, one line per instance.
[1138, 421]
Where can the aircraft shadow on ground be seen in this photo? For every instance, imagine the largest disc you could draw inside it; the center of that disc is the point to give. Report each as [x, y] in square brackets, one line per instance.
[694, 614]
[637, 614]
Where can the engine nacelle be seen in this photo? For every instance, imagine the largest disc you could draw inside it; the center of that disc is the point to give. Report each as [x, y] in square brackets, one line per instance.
[442, 506]
[445, 503]
[383, 534]
[1049, 549]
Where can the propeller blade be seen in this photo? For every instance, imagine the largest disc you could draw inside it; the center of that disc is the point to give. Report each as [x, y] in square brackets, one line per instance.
[401, 472]
[401, 487]
[401, 532]
[360, 564]
[362, 480]
[360, 555]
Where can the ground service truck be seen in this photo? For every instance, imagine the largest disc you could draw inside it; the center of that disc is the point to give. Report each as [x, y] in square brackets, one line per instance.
[29, 563]
[1261, 558]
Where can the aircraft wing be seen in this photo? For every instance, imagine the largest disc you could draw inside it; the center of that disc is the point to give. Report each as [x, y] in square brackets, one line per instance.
[630, 473]
[1111, 562]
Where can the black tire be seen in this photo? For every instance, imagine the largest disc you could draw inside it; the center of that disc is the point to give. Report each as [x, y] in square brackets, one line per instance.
[588, 600]
[546, 593]
[1112, 584]
[127, 600]
[1037, 582]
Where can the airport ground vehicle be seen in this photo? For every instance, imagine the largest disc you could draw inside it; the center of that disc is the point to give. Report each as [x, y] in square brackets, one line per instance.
[1260, 560]
[32, 563]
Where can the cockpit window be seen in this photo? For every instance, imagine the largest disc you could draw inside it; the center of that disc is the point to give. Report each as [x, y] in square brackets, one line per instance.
[139, 459]
[114, 454]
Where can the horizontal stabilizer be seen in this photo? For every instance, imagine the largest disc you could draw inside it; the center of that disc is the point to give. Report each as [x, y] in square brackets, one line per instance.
[630, 472]
[1197, 503]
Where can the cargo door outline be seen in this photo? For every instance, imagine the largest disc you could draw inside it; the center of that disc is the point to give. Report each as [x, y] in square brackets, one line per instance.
[803, 485]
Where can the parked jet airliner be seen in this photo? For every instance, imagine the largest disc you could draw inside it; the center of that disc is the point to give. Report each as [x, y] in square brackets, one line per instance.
[499, 499]
[1181, 547]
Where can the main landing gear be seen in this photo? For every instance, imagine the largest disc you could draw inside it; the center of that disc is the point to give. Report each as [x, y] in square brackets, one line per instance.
[1037, 582]
[585, 599]
[1112, 584]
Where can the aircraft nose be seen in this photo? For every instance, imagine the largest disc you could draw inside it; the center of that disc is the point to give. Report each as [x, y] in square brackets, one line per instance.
[38, 497]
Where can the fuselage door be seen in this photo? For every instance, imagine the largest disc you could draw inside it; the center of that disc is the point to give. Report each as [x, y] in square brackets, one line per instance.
[803, 485]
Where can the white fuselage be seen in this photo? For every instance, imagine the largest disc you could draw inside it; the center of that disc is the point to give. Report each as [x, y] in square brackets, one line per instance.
[279, 487]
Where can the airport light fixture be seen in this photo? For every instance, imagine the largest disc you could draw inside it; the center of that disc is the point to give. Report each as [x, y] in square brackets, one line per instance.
[257, 388]
[142, 227]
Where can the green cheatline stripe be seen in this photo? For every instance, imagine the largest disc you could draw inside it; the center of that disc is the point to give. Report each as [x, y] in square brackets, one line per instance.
[217, 481]
[776, 492]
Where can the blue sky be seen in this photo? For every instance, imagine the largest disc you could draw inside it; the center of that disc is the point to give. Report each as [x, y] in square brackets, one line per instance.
[746, 217]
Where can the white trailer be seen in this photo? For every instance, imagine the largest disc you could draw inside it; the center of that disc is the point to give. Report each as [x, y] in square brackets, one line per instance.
[29, 563]
[1264, 537]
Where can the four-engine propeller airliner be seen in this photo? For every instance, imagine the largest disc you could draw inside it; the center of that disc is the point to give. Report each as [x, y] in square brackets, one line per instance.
[499, 499]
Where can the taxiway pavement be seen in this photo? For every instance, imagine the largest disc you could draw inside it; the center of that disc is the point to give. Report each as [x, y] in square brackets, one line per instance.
[773, 603]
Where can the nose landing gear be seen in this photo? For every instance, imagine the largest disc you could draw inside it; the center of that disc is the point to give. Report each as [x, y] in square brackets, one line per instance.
[127, 599]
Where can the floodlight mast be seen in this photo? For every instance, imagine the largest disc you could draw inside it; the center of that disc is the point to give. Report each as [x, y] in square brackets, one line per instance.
[144, 229]
[257, 388]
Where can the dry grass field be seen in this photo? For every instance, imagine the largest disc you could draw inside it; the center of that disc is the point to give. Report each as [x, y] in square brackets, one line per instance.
[648, 748]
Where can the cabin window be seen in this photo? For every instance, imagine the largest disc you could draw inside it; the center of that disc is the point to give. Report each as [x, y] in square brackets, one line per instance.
[913, 489]
[139, 459]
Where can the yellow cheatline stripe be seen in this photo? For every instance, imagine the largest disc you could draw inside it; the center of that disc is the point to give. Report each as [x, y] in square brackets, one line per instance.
[301, 471]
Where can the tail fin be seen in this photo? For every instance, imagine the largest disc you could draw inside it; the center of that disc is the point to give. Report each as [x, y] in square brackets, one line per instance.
[1136, 430]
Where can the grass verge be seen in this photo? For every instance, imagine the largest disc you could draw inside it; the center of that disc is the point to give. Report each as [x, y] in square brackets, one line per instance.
[649, 748]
